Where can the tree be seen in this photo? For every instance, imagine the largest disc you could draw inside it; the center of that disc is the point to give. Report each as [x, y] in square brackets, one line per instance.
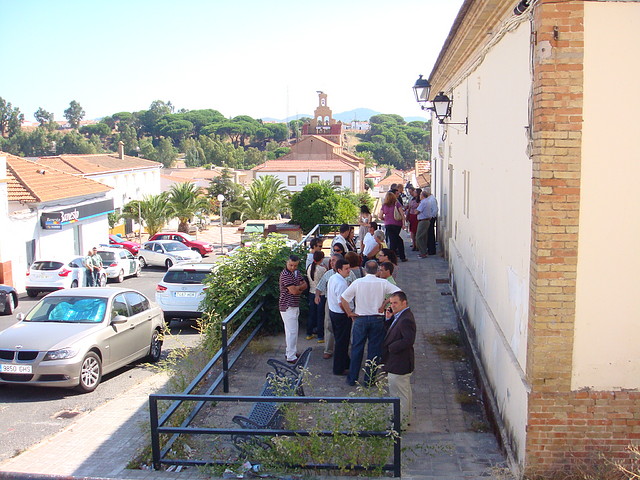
[165, 153]
[74, 114]
[316, 203]
[154, 211]
[10, 119]
[44, 118]
[185, 200]
[265, 199]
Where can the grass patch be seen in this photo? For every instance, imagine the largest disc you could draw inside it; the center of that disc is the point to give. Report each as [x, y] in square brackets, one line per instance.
[464, 398]
[448, 345]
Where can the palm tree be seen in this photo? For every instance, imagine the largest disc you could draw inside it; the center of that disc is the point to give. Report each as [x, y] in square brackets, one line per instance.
[153, 210]
[264, 199]
[185, 200]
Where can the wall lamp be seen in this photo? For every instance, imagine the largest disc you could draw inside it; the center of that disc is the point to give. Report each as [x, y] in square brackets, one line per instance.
[440, 105]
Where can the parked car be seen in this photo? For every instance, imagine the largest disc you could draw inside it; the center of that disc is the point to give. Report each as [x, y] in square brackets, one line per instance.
[198, 245]
[71, 338]
[166, 253]
[121, 242]
[48, 275]
[119, 263]
[8, 299]
[181, 291]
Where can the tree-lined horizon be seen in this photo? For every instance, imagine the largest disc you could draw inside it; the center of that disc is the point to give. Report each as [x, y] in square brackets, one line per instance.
[205, 137]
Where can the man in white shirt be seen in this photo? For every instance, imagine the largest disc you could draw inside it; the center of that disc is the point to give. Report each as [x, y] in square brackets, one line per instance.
[432, 212]
[341, 323]
[342, 238]
[368, 321]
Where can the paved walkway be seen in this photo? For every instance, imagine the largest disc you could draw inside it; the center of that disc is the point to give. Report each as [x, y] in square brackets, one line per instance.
[101, 443]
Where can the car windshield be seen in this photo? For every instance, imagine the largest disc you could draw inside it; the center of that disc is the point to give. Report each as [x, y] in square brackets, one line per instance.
[46, 265]
[107, 257]
[68, 310]
[174, 247]
[185, 276]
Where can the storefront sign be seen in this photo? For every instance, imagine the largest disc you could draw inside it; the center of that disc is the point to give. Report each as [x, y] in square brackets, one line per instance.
[55, 220]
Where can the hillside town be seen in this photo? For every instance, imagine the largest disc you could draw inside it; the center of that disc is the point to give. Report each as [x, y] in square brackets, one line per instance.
[383, 296]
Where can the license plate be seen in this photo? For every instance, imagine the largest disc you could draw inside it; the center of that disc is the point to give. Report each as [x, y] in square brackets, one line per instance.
[185, 294]
[4, 368]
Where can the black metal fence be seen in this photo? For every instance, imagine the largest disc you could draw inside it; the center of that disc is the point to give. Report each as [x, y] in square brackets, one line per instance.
[157, 428]
[159, 424]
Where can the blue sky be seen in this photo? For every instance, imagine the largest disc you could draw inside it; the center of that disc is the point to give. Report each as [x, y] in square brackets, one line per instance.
[251, 57]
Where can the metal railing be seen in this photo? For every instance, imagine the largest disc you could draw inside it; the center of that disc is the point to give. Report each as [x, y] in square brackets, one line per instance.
[158, 424]
[227, 364]
[157, 429]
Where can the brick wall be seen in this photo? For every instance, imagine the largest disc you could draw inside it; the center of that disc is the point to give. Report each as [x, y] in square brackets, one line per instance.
[563, 425]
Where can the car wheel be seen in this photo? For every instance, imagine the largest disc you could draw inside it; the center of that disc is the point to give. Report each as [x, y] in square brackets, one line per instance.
[74, 284]
[120, 276]
[90, 373]
[155, 349]
[168, 264]
[143, 262]
[32, 293]
[9, 305]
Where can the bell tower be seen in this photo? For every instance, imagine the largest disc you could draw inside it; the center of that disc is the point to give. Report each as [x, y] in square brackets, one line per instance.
[322, 118]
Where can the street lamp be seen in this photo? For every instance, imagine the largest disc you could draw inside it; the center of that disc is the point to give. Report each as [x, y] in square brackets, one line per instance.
[220, 200]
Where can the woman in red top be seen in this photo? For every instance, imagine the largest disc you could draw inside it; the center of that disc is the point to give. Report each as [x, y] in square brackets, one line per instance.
[393, 226]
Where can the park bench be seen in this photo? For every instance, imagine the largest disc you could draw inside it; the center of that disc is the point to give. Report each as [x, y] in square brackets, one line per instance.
[292, 372]
[286, 380]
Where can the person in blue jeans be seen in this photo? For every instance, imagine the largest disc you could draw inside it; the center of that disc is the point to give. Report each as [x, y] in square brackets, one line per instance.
[369, 294]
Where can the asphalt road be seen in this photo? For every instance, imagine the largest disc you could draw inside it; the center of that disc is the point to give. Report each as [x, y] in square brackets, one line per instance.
[30, 414]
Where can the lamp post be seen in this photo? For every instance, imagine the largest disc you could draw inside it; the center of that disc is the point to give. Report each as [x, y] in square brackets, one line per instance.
[220, 200]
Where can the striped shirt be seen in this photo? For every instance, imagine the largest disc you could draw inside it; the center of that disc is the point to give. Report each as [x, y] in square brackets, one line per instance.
[288, 299]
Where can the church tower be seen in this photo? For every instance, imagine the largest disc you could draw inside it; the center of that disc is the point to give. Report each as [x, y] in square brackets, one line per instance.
[323, 123]
[322, 119]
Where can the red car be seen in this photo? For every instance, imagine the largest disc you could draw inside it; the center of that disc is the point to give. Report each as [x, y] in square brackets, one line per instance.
[188, 240]
[131, 246]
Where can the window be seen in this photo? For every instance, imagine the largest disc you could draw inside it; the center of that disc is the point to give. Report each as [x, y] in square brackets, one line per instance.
[119, 307]
[315, 179]
[291, 180]
[337, 179]
[137, 302]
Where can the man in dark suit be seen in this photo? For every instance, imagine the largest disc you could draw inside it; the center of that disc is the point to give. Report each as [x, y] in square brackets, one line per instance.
[397, 352]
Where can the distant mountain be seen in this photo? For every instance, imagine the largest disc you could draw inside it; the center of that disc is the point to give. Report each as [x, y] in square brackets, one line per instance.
[360, 114]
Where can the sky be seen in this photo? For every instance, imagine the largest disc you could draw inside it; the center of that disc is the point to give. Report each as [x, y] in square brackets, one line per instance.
[252, 57]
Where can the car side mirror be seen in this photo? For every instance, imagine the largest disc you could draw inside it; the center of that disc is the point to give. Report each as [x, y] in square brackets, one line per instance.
[119, 319]
[20, 317]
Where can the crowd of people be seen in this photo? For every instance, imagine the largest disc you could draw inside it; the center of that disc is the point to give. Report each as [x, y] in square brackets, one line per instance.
[354, 301]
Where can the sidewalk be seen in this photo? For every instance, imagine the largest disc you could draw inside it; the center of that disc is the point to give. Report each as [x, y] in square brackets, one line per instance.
[101, 443]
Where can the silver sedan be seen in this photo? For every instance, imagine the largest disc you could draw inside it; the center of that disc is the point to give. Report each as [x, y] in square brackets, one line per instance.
[71, 338]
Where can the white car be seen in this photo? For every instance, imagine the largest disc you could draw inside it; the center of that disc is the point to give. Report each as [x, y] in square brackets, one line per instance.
[49, 275]
[166, 253]
[119, 263]
[181, 291]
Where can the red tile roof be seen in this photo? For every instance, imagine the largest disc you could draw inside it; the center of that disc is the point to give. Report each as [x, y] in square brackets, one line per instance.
[331, 165]
[31, 182]
[97, 163]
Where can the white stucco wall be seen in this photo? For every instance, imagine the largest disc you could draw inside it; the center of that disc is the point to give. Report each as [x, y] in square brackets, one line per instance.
[607, 325]
[25, 226]
[127, 185]
[303, 178]
[483, 183]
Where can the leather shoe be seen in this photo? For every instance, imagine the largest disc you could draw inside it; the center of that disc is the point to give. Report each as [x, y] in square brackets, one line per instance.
[326, 355]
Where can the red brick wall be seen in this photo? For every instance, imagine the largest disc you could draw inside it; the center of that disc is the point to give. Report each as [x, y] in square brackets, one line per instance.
[563, 425]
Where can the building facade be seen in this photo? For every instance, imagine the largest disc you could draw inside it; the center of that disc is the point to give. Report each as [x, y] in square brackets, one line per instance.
[49, 214]
[319, 155]
[531, 193]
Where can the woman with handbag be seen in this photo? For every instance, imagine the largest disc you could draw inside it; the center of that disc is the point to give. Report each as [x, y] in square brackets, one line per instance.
[392, 215]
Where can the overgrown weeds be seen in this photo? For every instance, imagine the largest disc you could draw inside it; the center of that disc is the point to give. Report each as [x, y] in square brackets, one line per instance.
[448, 345]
